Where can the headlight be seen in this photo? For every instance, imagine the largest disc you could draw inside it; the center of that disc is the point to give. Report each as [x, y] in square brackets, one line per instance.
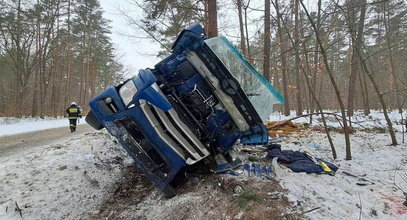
[127, 92]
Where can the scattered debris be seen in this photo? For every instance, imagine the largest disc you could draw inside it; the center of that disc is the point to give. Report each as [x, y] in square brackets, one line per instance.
[300, 161]
[286, 129]
[363, 181]
[64, 167]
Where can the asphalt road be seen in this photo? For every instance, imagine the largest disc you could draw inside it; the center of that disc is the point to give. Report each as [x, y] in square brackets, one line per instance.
[15, 144]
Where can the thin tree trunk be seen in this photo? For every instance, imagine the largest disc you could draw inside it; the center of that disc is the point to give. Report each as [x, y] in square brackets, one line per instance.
[381, 99]
[69, 58]
[267, 43]
[249, 56]
[241, 28]
[297, 60]
[355, 58]
[309, 84]
[283, 60]
[367, 104]
[333, 82]
[391, 59]
[316, 61]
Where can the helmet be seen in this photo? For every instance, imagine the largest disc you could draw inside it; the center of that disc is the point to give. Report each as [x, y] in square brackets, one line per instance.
[73, 103]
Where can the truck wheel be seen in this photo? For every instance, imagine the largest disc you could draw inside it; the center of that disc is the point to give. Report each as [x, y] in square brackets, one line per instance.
[93, 121]
[169, 192]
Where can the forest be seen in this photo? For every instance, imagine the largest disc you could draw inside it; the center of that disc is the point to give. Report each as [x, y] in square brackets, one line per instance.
[189, 146]
[53, 52]
[343, 54]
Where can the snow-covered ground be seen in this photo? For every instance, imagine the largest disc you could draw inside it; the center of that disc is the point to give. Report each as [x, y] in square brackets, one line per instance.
[71, 176]
[10, 126]
[359, 120]
[371, 185]
[61, 180]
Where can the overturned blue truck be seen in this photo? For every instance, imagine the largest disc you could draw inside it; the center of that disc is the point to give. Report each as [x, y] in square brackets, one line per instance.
[193, 107]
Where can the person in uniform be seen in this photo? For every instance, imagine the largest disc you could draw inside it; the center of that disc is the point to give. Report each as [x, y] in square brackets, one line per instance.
[74, 112]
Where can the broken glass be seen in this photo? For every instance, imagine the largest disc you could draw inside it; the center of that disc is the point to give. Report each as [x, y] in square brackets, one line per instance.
[260, 92]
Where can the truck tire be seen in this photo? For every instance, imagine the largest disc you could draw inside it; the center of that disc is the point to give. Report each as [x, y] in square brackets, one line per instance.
[93, 121]
[169, 192]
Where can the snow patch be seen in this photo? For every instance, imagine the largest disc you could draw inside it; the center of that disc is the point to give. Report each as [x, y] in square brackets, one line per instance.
[63, 180]
[11, 126]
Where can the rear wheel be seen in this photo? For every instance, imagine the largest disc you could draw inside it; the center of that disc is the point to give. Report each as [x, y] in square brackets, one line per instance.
[93, 121]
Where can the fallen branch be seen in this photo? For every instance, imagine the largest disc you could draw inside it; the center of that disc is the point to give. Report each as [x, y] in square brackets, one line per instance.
[311, 210]
[301, 116]
[18, 210]
[360, 205]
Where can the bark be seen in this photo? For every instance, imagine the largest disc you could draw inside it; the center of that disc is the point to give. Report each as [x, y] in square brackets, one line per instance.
[381, 99]
[69, 58]
[316, 61]
[212, 19]
[241, 28]
[391, 59]
[309, 84]
[297, 61]
[283, 60]
[357, 43]
[334, 85]
[267, 43]
[245, 7]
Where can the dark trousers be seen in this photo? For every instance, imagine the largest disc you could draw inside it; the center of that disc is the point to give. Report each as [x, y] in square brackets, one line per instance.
[72, 124]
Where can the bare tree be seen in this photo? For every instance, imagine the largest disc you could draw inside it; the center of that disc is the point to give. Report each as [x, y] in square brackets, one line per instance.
[334, 84]
[283, 58]
[267, 43]
[356, 43]
[297, 60]
[241, 28]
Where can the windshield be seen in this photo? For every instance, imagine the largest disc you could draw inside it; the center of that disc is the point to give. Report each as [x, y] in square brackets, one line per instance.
[259, 91]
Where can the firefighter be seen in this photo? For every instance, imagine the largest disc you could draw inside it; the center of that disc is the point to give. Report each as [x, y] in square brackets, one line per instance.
[74, 112]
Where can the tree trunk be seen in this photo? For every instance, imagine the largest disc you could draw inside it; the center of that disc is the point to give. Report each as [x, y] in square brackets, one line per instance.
[297, 60]
[267, 43]
[69, 58]
[307, 80]
[381, 99]
[357, 43]
[241, 28]
[391, 60]
[212, 19]
[316, 62]
[283, 61]
[245, 7]
[333, 82]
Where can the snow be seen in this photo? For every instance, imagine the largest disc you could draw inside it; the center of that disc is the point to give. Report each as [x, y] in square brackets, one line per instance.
[70, 177]
[381, 174]
[11, 126]
[62, 180]
[359, 120]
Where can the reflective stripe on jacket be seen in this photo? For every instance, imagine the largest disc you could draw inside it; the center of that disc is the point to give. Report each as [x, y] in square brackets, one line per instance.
[73, 112]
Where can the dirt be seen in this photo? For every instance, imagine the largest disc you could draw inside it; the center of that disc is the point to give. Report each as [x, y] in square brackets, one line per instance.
[121, 191]
[201, 197]
[285, 129]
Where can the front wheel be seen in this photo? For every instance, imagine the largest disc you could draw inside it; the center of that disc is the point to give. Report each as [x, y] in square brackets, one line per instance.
[93, 121]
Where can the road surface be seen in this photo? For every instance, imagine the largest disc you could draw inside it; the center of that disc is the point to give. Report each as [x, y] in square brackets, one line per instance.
[15, 144]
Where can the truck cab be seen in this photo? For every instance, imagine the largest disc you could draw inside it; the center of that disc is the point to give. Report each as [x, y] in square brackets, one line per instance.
[195, 105]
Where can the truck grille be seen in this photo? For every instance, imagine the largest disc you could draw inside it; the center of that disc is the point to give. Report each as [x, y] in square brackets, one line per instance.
[175, 133]
[139, 146]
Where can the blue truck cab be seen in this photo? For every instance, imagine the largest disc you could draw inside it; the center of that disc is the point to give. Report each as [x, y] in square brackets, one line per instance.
[188, 110]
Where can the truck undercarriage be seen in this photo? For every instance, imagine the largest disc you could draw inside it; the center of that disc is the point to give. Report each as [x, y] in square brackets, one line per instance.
[187, 110]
